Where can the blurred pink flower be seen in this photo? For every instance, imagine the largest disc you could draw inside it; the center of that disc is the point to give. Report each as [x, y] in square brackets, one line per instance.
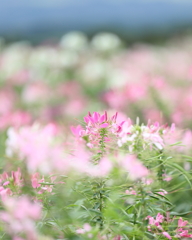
[131, 191]
[39, 147]
[86, 228]
[81, 162]
[20, 215]
[37, 92]
[20, 77]
[182, 223]
[135, 92]
[77, 130]
[155, 221]
[7, 101]
[166, 234]
[15, 119]
[134, 167]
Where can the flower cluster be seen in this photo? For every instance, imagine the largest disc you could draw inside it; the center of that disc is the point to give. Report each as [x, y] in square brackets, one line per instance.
[98, 128]
[38, 147]
[101, 181]
[156, 226]
[19, 217]
[149, 136]
[10, 184]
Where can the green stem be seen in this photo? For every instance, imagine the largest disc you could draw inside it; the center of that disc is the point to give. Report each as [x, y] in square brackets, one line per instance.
[103, 134]
[161, 170]
[100, 183]
[101, 206]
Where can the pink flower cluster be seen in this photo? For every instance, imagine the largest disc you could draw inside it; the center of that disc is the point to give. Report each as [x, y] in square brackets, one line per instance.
[10, 184]
[94, 123]
[38, 147]
[181, 230]
[134, 167]
[150, 136]
[86, 228]
[43, 185]
[155, 226]
[20, 216]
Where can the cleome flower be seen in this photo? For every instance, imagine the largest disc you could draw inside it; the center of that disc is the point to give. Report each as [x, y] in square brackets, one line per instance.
[97, 127]
[38, 147]
[156, 225]
[149, 136]
[19, 216]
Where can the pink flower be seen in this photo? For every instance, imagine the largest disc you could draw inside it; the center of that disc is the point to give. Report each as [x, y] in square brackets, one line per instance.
[95, 123]
[5, 192]
[159, 218]
[155, 222]
[9, 181]
[167, 235]
[167, 178]
[15, 119]
[17, 177]
[183, 233]
[7, 100]
[39, 146]
[163, 192]
[35, 180]
[147, 181]
[20, 215]
[135, 168]
[17, 238]
[96, 118]
[117, 237]
[77, 131]
[81, 162]
[102, 169]
[186, 141]
[154, 138]
[36, 92]
[86, 228]
[75, 106]
[135, 92]
[182, 223]
[115, 99]
[131, 191]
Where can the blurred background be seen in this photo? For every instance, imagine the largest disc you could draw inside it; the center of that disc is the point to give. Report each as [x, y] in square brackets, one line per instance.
[60, 59]
[132, 20]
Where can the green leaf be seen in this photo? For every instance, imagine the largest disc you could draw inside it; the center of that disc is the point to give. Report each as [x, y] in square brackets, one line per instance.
[161, 196]
[181, 170]
[97, 205]
[180, 214]
[161, 200]
[176, 187]
[162, 162]
[187, 156]
[46, 183]
[95, 211]
[177, 143]
[72, 205]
